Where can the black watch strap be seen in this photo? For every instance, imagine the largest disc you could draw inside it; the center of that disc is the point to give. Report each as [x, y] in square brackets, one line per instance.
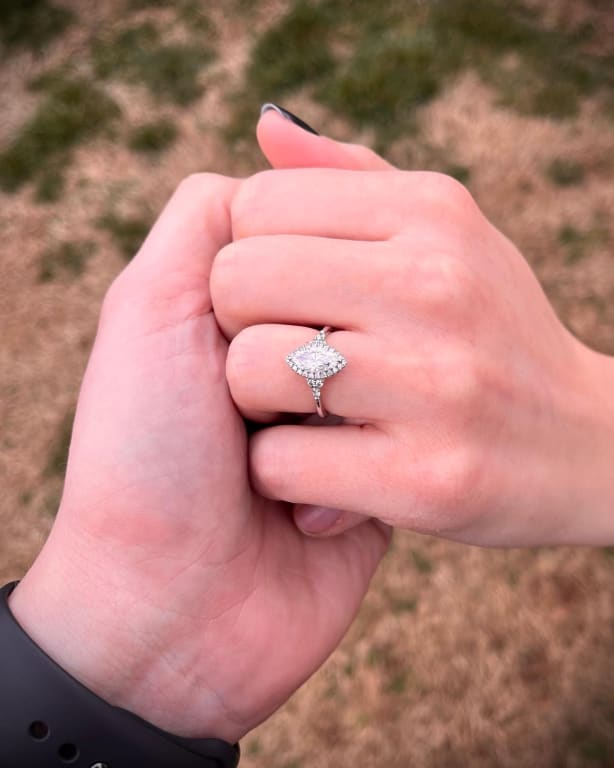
[47, 718]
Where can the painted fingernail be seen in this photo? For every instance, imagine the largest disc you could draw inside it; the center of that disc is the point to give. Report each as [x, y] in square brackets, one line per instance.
[316, 520]
[288, 116]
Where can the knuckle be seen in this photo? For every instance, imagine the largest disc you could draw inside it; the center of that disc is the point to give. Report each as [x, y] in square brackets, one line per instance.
[247, 202]
[451, 194]
[241, 361]
[118, 296]
[224, 277]
[268, 465]
[196, 185]
[445, 282]
[463, 385]
[455, 488]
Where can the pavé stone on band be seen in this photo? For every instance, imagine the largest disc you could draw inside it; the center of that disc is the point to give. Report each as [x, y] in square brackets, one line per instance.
[315, 362]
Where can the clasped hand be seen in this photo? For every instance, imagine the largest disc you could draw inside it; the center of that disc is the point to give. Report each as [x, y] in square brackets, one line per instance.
[177, 581]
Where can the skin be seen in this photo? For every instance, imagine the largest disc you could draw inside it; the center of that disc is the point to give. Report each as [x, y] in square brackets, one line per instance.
[167, 585]
[469, 411]
[170, 587]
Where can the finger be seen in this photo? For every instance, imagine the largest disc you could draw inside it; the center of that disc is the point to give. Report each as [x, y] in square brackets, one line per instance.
[262, 383]
[301, 280]
[325, 521]
[170, 272]
[286, 145]
[323, 466]
[355, 205]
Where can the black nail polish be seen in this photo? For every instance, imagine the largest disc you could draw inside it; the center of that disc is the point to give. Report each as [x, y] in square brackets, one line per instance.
[288, 116]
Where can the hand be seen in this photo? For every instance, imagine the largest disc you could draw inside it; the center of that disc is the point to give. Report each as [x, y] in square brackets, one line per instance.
[470, 412]
[167, 586]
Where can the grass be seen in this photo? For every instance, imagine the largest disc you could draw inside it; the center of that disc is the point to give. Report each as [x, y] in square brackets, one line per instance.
[31, 23]
[580, 243]
[397, 684]
[127, 232]
[25, 498]
[386, 79]
[138, 55]
[190, 12]
[51, 183]
[288, 55]
[73, 110]
[459, 172]
[51, 503]
[58, 455]
[151, 138]
[293, 52]
[254, 747]
[420, 562]
[592, 748]
[404, 605]
[69, 257]
[565, 173]
[378, 64]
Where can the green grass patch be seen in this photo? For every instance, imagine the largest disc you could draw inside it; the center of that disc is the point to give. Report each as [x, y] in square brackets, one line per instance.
[421, 562]
[140, 5]
[397, 684]
[254, 747]
[69, 257]
[189, 12]
[51, 503]
[404, 605]
[127, 232]
[580, 243]
[151, 138]
[565, 173]
[292, 52]
[31, 23]
[25, 498]
[138, 55]
[459, 172]
[592, 748]
[386, 79]
[50, 185]
[58, 455]
[73, 110]
[379, 63]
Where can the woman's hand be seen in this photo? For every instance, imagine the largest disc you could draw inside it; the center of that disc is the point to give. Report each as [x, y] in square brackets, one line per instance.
[469, 410]
[167, 586]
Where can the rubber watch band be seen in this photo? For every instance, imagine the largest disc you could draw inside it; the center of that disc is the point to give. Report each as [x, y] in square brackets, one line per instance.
[49, 719]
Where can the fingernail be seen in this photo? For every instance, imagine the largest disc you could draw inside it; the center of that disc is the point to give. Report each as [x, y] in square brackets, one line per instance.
[314, 520]
[288, 116]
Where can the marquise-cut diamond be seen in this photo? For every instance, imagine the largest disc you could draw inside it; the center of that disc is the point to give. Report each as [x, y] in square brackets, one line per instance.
[316, 360]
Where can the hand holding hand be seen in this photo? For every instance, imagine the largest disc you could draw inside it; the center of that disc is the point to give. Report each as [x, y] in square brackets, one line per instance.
[167, 586]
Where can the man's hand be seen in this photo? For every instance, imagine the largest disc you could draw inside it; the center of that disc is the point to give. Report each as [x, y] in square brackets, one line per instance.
[167, 586]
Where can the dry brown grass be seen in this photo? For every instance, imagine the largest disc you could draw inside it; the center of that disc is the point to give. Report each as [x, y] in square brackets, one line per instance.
[460, 656]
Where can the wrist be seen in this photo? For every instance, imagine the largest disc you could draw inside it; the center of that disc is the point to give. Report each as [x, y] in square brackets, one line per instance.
[589, 484]
[121, 656]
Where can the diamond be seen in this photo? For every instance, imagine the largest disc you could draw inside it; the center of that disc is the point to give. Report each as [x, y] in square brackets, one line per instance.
[316, 360]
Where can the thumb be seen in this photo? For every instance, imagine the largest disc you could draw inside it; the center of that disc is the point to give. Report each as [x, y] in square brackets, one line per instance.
[288, 142]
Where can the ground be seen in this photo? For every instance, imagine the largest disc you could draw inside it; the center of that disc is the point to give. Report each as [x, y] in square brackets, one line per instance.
[460, 656]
